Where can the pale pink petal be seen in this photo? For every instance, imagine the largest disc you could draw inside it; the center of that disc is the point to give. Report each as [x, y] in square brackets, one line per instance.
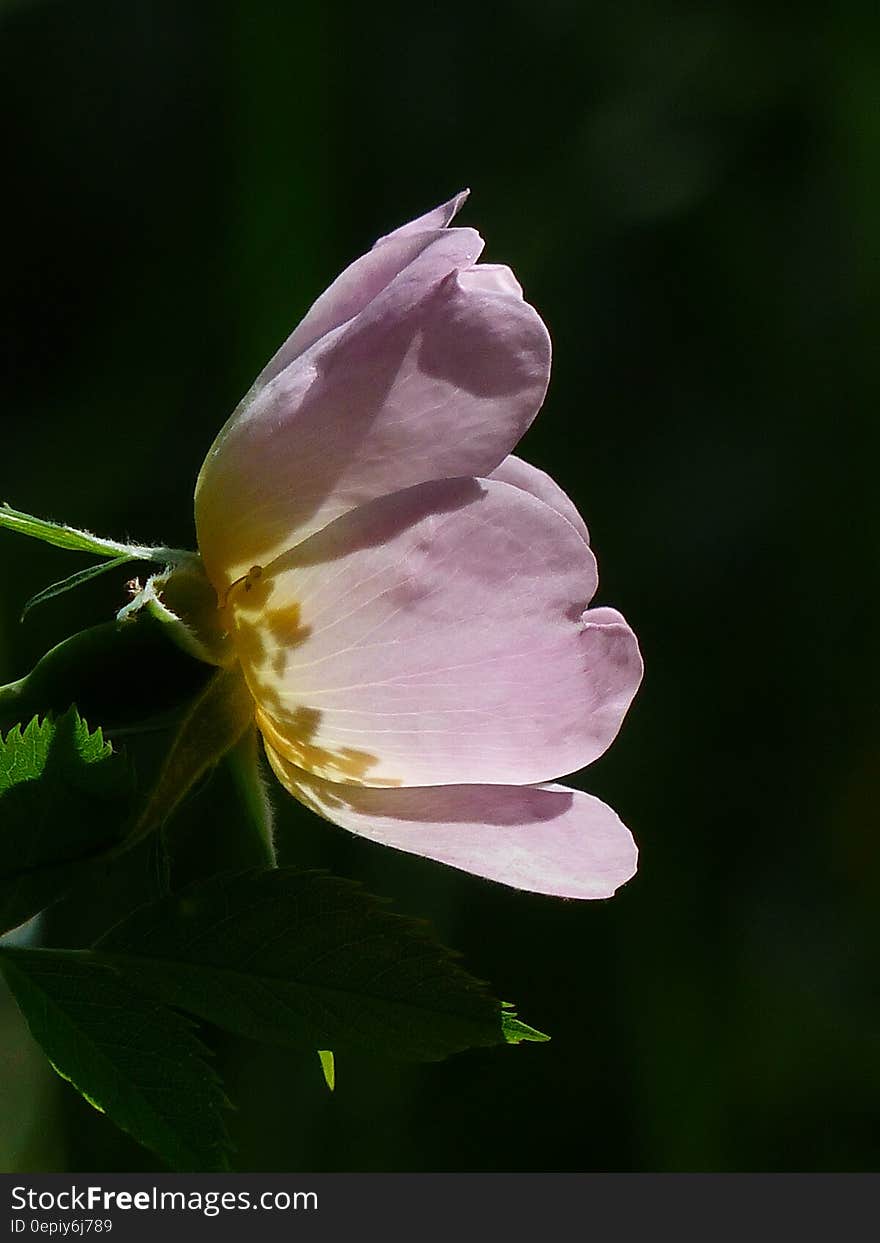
[495, 277]
[439, 376]
[438, 218]
[523, 475]
[364, 279]
[546, 839]
[437, 636]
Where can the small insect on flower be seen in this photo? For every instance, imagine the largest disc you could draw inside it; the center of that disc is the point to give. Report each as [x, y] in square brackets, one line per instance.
[407, 602]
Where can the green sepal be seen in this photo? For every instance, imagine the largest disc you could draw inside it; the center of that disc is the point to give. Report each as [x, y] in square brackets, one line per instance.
[117, 672]
[214, 723]
[71, 538]
[184, 602]
[72, 581]
[75, 540]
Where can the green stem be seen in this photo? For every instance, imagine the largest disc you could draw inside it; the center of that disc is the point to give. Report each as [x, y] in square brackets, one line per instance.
[244, 765]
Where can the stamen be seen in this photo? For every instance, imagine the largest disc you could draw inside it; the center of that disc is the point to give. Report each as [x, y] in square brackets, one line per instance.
[253, 574]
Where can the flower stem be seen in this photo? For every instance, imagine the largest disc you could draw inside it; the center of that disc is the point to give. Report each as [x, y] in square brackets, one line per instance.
[244, 764]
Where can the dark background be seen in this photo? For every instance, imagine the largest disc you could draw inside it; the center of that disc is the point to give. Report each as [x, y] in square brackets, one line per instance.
[691, 196]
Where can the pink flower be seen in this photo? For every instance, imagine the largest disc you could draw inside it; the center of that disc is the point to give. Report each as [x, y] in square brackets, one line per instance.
[408, 602]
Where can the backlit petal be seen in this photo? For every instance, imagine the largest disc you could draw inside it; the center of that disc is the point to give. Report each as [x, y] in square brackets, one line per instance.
[523, 475]
[437, 636]
[362, 280]
[546, 839]
[437, 377]
[438, 218]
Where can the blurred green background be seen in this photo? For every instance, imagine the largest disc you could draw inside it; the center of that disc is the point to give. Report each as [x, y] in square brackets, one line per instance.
[691, 196]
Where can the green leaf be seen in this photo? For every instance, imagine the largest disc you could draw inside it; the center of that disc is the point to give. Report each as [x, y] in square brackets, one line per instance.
[131, 1058]
[328, 1067]
[306, 960]
[63, 800]
[72, 581]
[515, 1031]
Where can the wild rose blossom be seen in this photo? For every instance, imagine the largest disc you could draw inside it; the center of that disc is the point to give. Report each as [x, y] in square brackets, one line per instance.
[407, 601]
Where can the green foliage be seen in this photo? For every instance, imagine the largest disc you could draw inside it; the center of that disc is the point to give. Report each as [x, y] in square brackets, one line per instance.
[515, 1031]
[307, 960]
[126, 1054]
[63, 798]
[328, 1067]
[68, 743]
[117, 672]
[75, 540]
[297, 959]
[72, 581]
[68, 537]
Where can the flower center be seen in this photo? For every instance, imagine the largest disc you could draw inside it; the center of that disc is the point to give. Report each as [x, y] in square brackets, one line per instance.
[246, 582]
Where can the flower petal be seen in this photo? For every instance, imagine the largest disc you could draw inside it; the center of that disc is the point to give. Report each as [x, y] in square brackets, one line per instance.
[546, 839]
[523, 475]
[491, 276]
[437, 636]
[362, 280]
[438, 218]
[438, 377]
